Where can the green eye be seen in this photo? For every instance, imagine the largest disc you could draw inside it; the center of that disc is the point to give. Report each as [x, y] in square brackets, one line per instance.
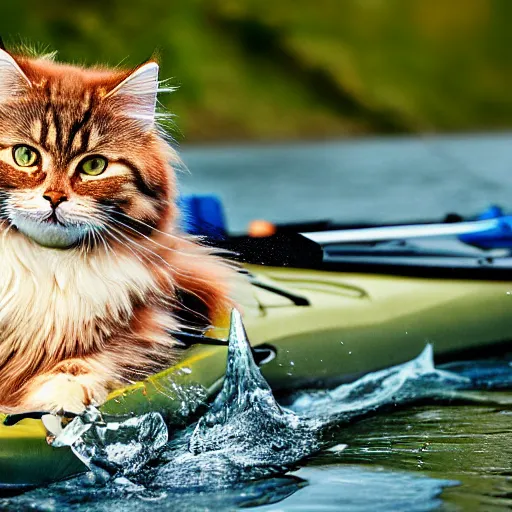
[93, 166]
[25, 156]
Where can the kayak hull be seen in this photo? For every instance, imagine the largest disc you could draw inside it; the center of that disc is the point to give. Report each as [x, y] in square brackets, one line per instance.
[360, 323]
[321, 327]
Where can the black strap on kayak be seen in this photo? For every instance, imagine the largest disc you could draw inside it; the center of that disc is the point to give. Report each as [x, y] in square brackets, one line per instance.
[262, 354]
[189, 339]
[12, 419]
[297, 300]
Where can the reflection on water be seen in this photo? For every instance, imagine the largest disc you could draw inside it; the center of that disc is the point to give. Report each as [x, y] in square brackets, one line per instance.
[239, 452]
[471, 445]
[357, 488]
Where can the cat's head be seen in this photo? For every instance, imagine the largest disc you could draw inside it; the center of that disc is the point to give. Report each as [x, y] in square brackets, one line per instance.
[80, 152]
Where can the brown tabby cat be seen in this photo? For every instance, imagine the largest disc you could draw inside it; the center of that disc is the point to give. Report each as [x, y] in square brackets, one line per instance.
[91, 262]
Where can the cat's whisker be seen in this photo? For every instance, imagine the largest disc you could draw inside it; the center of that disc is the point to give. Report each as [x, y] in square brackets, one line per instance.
[123, 244]
[108, 249]
[179, 238]
[154, 229]
[174, 270]
[119, 223]
[85, 246]
[137, 252]
[126, 226]
[143, 250]
[92, 235]
[146, 249]
[179, 251]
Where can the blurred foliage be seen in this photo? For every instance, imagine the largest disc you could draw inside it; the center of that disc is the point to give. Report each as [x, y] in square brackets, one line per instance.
[284, 69]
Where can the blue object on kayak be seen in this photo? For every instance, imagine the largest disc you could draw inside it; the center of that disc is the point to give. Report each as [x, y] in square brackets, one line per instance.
[203, 215]
[498, 237]
[493, 212]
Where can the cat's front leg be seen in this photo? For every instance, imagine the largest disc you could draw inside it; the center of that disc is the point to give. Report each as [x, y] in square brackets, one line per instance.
[71, 386]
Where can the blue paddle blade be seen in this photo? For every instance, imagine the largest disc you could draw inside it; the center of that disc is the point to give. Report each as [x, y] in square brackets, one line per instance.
[497, 237]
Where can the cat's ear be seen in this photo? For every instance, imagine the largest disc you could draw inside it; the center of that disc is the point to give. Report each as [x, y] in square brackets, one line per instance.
[12, 79]
[139, 91]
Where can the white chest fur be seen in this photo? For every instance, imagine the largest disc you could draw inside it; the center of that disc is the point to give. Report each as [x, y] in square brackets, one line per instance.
[51, 298]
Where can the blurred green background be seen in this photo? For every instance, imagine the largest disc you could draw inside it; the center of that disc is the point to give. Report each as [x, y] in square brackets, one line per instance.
[296, 69]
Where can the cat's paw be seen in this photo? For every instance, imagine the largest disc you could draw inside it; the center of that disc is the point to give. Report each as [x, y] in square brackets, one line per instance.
[65, 392]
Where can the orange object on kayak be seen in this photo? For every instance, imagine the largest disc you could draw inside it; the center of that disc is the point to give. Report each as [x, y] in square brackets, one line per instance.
[261, 228]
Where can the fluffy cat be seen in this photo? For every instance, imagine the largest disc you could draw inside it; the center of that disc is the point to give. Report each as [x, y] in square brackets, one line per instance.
[93, 266]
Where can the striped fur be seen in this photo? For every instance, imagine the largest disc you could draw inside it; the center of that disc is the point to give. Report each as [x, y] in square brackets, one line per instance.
[89, 287]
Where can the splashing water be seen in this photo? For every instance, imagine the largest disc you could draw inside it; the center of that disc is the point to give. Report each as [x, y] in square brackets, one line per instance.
[245, 435]
[237, 453]
[411, 381]
[116, 447]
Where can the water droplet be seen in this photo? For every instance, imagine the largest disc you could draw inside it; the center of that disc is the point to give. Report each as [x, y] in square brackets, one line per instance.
[337, 449]
[509, 293]
[186, 370]
[292, 363]
[349, 352]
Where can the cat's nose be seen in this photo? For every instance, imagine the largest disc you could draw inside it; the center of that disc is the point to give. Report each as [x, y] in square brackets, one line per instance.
[55, 197]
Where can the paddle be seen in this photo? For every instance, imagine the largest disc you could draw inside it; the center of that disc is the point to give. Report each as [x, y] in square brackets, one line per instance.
[489, 233]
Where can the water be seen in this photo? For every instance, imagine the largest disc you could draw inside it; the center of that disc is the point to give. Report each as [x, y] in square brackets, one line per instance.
[470, 445]
[408, 438]
[244, 450]
[383, 180]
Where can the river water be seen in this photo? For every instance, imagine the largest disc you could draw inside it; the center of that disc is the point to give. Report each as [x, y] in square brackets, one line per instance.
[436, 440]
[385, 179]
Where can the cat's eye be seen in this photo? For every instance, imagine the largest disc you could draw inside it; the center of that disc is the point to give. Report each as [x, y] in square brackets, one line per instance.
[93, 166]
[25, 156]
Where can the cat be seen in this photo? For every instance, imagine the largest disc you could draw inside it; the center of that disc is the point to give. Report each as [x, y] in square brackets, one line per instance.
[93, 267]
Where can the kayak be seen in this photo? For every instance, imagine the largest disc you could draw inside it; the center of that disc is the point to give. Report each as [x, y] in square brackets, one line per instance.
[329, 314]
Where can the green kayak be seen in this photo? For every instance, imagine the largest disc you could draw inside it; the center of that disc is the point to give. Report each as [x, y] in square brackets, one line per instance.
[308, 327]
